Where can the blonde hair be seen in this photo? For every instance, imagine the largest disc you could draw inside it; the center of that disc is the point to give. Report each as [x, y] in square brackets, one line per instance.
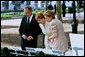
[49, 13]
[39, 15]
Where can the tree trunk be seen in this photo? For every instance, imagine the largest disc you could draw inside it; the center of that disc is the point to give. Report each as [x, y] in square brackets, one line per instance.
[7, 5]
[46, 4]
[59, 10]
[27, 3]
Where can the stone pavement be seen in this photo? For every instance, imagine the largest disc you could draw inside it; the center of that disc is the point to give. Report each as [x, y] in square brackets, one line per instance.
[67, 28]
[12, 22]
[16, 23]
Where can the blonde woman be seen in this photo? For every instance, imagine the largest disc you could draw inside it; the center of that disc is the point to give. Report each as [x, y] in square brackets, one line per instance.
[53, 29]
[42, 22]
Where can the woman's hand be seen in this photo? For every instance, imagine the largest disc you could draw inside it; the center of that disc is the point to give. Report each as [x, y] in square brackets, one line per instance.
[51, 38]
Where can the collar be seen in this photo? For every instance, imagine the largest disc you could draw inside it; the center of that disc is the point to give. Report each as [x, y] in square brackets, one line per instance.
[30, 18]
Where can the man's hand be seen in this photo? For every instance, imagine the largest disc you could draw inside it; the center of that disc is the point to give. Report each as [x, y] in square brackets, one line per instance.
[29, 38]
[24, 36]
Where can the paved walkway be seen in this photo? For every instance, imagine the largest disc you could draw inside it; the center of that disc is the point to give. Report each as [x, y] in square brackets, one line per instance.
[79, 16]
[67, 28]
[13, 22]
[16, 22]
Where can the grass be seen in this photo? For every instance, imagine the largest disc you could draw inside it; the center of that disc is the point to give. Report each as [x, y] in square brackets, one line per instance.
[6, 16]
[10, 15]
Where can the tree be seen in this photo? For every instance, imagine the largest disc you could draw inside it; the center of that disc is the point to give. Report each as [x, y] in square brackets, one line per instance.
[27, 3]
[59, 10]
[46, 4]
[6, 5]
[16, 4]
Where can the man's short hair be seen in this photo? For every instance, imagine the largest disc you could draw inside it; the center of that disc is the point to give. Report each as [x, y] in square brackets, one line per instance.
[29, 8]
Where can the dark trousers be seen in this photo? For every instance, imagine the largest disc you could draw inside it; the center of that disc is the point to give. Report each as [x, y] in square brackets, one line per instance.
[25, 43]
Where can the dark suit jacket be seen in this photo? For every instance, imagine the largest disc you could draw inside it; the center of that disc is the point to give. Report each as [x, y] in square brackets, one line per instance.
[32, 29]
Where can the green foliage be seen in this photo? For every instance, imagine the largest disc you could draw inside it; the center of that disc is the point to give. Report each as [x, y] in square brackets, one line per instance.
[10, 15]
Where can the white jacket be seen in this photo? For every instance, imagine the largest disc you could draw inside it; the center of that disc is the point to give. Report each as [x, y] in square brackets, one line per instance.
[54, 30]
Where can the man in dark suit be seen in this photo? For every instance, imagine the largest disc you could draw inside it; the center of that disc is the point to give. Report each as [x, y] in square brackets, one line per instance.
[29, 30]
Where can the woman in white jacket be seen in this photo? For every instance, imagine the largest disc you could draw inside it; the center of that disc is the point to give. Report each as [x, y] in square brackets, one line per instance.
[54, 34]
